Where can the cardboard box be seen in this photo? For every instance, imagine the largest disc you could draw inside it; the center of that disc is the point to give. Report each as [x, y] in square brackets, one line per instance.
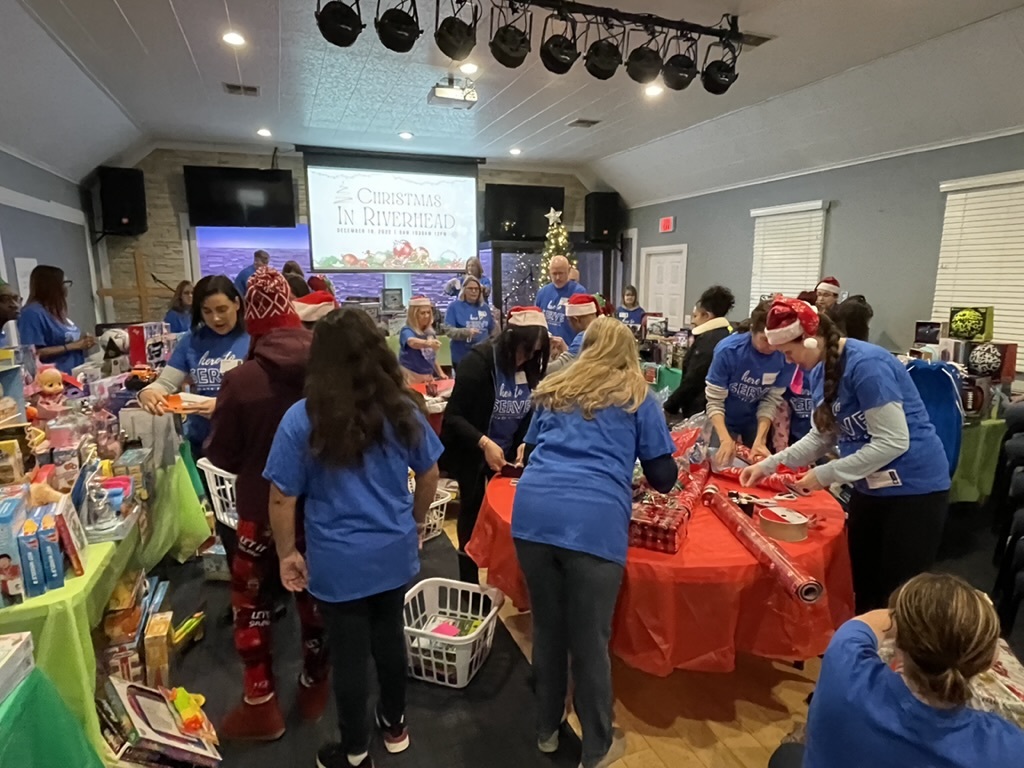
[137, 463]
[997, 360]
[954, 351]
[32, 579]
[49, 546]
[12, 517]
[149, 344]
[928, 332]
[16, 661]
[72, 535]
[976, 396]
[972, 323]
[158, 649]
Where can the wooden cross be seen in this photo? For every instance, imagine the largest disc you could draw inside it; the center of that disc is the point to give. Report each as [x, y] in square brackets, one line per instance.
[142, 292]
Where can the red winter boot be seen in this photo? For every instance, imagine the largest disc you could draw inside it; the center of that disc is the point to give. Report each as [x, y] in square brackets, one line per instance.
[254, 722]
[312, 699]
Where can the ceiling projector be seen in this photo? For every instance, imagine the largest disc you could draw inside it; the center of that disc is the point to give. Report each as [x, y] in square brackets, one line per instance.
[454, 93]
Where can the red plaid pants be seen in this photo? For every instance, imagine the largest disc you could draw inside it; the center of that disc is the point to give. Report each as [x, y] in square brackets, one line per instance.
[255, 578]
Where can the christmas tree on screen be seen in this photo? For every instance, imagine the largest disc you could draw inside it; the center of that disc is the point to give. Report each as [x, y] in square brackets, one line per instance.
[556, 244]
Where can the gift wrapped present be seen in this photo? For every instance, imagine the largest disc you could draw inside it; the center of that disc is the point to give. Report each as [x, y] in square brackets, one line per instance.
[658, 523]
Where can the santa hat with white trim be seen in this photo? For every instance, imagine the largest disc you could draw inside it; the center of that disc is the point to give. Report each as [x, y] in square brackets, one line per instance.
[313, 306]
[420, 301]
[829, 284]
[582, 304]
[524, 317]
[791, 320]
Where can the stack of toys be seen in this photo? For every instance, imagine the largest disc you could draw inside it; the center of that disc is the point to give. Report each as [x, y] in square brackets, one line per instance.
[16, 662]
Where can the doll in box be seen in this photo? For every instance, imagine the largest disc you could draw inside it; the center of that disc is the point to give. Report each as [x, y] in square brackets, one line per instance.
[49, 388]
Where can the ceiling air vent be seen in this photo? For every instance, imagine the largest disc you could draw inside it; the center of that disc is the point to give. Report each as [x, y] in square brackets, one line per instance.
[236, 89]
[582, 123]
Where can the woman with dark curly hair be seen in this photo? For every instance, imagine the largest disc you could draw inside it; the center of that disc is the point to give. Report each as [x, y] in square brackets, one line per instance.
[347, 448]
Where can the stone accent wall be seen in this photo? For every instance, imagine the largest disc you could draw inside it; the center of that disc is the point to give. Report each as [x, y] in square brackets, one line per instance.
[162, 246]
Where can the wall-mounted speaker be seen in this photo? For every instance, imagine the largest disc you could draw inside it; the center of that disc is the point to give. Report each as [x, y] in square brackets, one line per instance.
[122, 201]
[603, 217]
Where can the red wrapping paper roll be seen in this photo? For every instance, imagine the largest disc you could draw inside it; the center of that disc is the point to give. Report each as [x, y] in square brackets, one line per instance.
[796, 582]
[774, 482]
[689, 497]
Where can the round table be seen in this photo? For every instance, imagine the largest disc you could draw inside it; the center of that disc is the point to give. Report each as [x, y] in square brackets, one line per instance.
[697, 608]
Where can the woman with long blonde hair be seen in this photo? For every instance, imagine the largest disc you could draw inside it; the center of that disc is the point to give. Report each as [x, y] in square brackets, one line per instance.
[570, 521]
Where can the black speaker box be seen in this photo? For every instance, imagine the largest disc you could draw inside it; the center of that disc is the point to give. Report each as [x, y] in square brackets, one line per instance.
[122, 201]
[603, 217]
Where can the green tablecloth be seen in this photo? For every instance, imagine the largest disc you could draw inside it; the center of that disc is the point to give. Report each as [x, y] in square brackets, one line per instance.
[38, 729]
[64, 651]
[979, 455]
[669, 378]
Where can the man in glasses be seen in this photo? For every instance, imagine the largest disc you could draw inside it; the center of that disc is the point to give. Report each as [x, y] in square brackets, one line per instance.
[10, 308]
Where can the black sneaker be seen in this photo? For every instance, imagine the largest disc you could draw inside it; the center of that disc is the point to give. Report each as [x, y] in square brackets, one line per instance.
[333, 756]
[396, 737]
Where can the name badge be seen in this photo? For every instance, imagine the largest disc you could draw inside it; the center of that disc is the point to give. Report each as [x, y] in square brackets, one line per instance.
[520, 377]
[769, 378]
[887, 478]
[229, 365]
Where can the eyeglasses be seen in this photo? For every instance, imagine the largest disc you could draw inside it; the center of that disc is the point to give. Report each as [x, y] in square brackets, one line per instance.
[68, 283]
[10, 298]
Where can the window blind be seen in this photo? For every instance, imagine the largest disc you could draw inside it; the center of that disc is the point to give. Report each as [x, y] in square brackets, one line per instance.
[981, 258]
[788, 242]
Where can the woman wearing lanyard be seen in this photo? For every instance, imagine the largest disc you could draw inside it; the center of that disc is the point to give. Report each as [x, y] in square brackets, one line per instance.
[631, 313]
[468, 321]
[44, 322]
[888, 450]
[489, 411]
[418, 343]
[744, 387]
[179, 316]
[570, 523]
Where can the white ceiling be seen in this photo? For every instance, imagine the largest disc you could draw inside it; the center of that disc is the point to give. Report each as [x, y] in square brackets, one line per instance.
[804, 100]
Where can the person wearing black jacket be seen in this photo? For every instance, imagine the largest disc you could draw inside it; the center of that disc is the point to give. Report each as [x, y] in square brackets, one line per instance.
[710, 327]
[488, 414]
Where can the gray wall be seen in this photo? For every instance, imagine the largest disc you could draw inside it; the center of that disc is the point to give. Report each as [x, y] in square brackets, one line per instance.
[882, 230]
[47, 240]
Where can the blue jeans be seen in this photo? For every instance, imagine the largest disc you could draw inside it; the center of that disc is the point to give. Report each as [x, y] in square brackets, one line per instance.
[572, 598]
[787, 756]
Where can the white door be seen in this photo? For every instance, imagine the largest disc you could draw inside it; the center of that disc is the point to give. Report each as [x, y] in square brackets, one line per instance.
[663, 286]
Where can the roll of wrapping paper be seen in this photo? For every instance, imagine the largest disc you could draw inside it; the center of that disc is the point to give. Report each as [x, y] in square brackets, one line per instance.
[689, 497]
[775, 482]
[794, 580]
[743, 454]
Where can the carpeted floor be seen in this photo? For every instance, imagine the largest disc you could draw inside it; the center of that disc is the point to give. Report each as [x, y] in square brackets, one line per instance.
[489, 723]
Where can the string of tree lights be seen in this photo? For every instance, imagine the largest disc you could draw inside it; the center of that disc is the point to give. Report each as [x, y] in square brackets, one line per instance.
[657, 47]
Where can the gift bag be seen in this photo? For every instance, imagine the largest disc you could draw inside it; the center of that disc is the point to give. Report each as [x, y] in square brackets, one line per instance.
[177, 517]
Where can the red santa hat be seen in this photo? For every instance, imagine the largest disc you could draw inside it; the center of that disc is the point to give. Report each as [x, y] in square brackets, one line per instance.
[313, 306]
[791, 319]
[268, 303]
[420, 301]
[581, 304]
[829, 284]
[320, 283]
[523, 317]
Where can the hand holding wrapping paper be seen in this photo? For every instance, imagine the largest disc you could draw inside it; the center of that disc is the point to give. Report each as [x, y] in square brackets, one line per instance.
[797, 583]
[775, 482]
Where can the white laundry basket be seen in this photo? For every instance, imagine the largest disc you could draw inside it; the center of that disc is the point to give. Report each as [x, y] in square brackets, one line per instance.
[434, 524]
[222, 493]
[441, 659]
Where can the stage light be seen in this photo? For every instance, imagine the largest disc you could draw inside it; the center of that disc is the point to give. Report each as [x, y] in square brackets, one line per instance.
[398, 28]
[602, 59]
[559, 51]
[644, 62]
[510, 34]
[720, 74]
[455, 36]
[339, 23]
[680, 68]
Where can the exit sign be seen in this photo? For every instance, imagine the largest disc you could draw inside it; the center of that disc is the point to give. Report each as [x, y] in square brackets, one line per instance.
[667, 224]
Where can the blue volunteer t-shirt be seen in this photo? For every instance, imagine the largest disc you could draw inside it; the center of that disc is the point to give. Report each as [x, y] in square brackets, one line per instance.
[178, 322]
[37, 327]
[577, 489]
[801, 407]
[577, 344]
[748, 375]
[242, 279]
[873, 377]
[864, 716]
[360, 532]
[206, 356]
[630, 316]
[553, 301]
[415, 360]
[462, 314]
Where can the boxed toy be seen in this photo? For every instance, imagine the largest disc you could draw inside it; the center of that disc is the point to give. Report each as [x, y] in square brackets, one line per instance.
[994, 359]
[954, 351]
[972, 323]
[125, 659]
[149, 344]
[927, 332]
[32, 580]
[49, 546]
[137, 463]
[157, 645]
[72, 534]
[12, 518]
[16, 661]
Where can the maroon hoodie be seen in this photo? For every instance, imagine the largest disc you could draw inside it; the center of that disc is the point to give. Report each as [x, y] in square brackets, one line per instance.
[253, 399]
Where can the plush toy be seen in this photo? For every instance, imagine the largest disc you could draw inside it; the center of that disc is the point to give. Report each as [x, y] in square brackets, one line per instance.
[985, 360]
[966, 324]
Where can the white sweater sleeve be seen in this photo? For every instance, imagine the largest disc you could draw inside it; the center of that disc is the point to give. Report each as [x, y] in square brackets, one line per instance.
[890, 439]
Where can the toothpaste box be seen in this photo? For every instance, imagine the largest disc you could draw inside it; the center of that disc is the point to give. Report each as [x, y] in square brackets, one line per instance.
[49, 546]
[31, 561]
[12, 518]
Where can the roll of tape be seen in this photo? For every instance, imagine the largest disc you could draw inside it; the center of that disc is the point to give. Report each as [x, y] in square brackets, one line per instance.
[783, 524]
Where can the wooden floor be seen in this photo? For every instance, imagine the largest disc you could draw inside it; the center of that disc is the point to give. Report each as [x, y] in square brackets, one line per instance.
[694, 719]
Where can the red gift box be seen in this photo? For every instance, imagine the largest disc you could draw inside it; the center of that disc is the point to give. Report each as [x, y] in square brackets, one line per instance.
[658, 523]
[149, 344]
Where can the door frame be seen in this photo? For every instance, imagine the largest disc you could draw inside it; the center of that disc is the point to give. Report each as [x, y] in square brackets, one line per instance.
[640, 268]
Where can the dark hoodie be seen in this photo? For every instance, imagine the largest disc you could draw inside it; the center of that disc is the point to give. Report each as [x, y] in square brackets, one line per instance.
[252, 400]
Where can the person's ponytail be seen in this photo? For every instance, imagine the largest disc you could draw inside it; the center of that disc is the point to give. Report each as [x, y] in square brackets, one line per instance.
[824, 418]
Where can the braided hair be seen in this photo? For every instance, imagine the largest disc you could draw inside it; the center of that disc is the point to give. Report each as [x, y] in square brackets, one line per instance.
[824, 418]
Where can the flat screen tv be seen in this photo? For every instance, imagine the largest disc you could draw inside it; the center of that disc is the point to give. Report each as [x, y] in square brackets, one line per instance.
[516, 211]
[239, 197]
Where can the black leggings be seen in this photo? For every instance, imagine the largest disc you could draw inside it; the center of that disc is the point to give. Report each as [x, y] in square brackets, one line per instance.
[892, 538]
[472, 482]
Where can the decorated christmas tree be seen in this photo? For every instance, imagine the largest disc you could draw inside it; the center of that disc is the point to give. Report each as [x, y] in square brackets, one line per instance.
[555, 244]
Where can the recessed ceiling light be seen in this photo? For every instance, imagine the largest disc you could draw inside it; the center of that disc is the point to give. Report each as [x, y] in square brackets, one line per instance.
[264, 132]
[405, 135]
[469, 68]
[233, 38]
[515, 151]
[653, 90]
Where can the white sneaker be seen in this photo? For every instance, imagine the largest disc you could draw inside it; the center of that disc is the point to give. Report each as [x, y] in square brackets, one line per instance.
[615, 752]
[550, 744]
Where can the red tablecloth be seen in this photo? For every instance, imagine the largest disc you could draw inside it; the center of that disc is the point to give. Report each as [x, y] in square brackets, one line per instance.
[697, 608]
